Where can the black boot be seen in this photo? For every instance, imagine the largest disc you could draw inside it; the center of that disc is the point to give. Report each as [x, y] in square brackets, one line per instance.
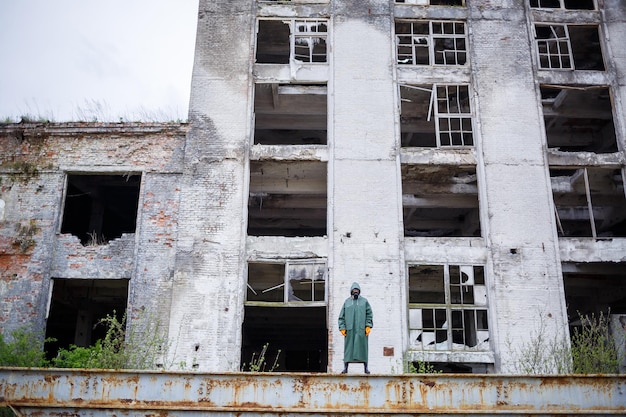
[345, 368]
[367, 371]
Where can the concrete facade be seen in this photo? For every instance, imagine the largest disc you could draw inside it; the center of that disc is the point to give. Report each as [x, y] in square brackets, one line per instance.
[463, 161]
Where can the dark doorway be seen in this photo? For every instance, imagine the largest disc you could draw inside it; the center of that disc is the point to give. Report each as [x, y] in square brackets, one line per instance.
[300, 333]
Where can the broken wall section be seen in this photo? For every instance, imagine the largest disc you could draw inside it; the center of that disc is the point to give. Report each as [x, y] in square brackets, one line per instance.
[35, 166]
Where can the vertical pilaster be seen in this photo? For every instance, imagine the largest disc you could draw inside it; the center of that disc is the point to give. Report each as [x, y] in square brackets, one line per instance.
[207, 308]
[526, 289]
[365, 229]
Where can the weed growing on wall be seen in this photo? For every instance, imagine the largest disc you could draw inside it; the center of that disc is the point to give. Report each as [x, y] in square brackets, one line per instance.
[24, 235]
[420, 367]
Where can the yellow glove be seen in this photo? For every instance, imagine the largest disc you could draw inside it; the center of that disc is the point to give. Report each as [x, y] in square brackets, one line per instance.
[343, 332]
[367, 331]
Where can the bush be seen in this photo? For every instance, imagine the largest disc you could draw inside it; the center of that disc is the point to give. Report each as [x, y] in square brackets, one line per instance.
[593, 349]
[116, 350]
[23, 349]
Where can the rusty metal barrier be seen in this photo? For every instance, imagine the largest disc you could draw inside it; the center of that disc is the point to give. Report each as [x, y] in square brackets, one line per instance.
[59, 392]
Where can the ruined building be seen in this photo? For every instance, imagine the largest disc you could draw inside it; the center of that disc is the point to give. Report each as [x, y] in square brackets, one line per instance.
[462, 160]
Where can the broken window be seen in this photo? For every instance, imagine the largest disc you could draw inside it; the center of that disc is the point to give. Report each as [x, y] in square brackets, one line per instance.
[287, 198]
[579, 118]
[300, 333]
[76, 307]
[440, 201]
[448, 308]
[292, 281]
[99, 208]
[589, 202]
[434, 2]
[563, 4]
[281, 41]
[435, 116]
[290, 114]
[568, 47]
[431, 42]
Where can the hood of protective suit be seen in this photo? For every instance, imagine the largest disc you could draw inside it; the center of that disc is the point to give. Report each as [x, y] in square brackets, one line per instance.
[355, 285]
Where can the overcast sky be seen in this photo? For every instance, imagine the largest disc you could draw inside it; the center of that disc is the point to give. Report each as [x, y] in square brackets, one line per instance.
[85, 59]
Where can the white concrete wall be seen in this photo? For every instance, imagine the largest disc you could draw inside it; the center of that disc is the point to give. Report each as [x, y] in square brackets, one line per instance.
[365, 222]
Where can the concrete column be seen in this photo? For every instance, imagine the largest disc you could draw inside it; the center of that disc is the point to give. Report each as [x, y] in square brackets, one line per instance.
[524, 276]
[364, 180]
[614, 13]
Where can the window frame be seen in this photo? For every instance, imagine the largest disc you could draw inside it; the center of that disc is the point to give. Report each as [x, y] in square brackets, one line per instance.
[285, 285]
[432, 37]
[543, 46]
[434, 111]
[451, 308]
[292, 23]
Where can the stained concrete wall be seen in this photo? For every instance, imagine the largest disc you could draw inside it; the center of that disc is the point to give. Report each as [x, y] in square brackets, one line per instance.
[208, 289]
[187, 260]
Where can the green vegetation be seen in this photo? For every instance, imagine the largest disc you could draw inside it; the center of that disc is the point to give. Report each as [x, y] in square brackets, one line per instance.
[22, 348]
[420, 367]
[258, 363]
[591, 351]
[116, 350]
[22, 171]
[24, 239]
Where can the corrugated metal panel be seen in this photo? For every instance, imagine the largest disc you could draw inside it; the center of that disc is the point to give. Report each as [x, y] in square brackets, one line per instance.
[48, 392]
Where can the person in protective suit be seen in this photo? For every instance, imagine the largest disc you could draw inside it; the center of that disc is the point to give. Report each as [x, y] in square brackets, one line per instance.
[355, 324]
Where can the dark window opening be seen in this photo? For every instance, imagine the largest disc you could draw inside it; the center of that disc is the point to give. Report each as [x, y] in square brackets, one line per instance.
[290, 114]
[440, 201]
[545, 3]
[435, 116]
[76, 307]
[596, 289]
[589, 202]
[287, 199]
[563, 4]
[99, 208]
[579, 119]
[273, 42]
[279, 41]
[300, 334]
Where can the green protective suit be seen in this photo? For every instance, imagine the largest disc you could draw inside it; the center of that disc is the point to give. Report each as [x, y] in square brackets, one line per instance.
[355, 315]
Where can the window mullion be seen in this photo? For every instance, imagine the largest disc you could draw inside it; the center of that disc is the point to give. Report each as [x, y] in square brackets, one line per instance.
[434, 103]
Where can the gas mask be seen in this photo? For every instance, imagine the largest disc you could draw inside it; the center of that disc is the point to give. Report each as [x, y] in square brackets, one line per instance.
[355, 295]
